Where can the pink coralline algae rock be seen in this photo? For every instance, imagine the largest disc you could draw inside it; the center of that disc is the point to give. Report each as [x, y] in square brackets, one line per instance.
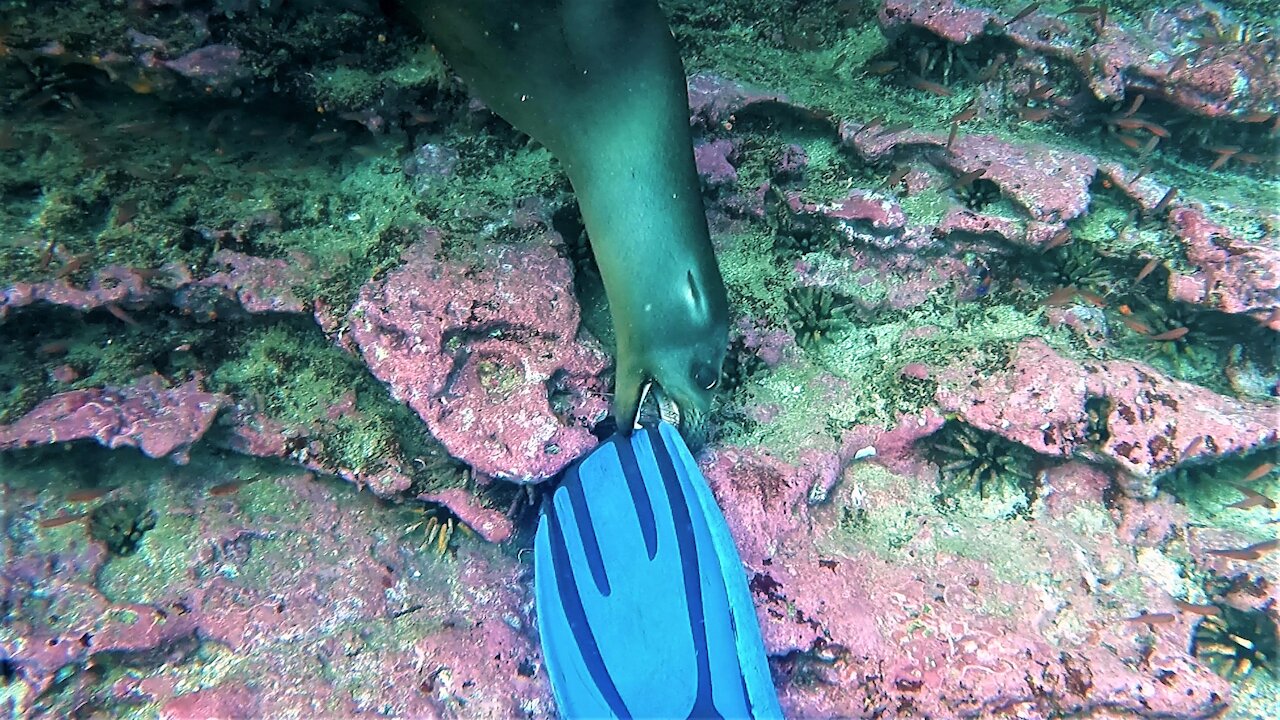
[867, 213]
[1042, 401]
[312, 592]
[961, 221]
[253, 433]
[1223, 79]
[158, 420]
[1234, 276]
[485, 350]
[915, 629]
[489, 524]
[1052, 185]
[714, 99]
[261, 285]
[114, 284]
[715, 163]
[95, 625]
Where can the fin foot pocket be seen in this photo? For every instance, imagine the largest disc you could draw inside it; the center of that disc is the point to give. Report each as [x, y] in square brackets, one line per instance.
[642, 600]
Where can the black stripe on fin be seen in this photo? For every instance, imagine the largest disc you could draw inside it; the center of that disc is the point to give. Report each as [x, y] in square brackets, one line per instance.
[639, 496]
[571, 603]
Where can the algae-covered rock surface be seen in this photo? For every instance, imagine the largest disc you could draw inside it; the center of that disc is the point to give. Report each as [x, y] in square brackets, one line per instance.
[295, 332]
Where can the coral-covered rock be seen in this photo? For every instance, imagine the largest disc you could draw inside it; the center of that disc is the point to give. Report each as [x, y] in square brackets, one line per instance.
[714, 99]
[486, 522]
[113, 284]
[875, 606]
[714, 161]
[864, 213]
[240, 282]
[1141, 421]
[486, 351]
[1050, 184]
[1234, 276]
[1226, 79]
[260, 285]
[313, 595]
[158, 420]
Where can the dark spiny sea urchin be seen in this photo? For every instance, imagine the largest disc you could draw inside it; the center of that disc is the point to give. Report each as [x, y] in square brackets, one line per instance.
[968, 457]
[814, 314]
[1236, 643]
[979, 194]
[740, 364]
[796, 234]
[121, 524]
[1079, 265]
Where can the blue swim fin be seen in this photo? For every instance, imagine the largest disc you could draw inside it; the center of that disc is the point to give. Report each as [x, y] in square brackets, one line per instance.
[642, 600]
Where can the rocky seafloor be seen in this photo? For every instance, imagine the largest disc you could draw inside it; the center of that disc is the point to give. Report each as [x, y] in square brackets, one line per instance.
[292, 331]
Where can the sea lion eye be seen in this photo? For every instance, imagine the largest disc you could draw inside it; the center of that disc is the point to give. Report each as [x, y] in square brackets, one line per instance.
[705, 376]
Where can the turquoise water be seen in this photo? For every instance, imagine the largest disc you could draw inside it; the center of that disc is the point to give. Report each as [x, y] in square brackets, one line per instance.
[975, 337]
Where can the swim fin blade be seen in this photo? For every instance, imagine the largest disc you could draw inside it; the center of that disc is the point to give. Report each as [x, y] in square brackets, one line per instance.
[642, 600]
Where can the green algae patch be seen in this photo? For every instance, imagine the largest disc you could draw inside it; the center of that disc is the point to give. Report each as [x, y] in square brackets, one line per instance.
[884, 528]
[752, 275]
[359, 86]
[294, 375]
[164, 560]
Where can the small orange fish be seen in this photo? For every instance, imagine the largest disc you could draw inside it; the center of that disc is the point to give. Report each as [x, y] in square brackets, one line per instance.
[1259, 472]
[1130, 142]
[1153, 618]
[1128, 123]
[1171, 335]
[1093, 298]
[1241, 554]
[54, 347]
[969, 112]
[897, 176]
[1061, 296]
[1252, 499]
[1034, 114]
[1146, 270]
[893, 129]
[226, 488]
[967, 179]
[880, 67]
[60, 520]
[1264, 547]
[1165, 201]
[88, 494]
[1136, 325]
[1060, 238]
[1220, 161]
[929, 86]
[118, 313]
[1023, 13]
[1205, 610]
[1193, 446]
[1133, 107]
[1157, 130]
